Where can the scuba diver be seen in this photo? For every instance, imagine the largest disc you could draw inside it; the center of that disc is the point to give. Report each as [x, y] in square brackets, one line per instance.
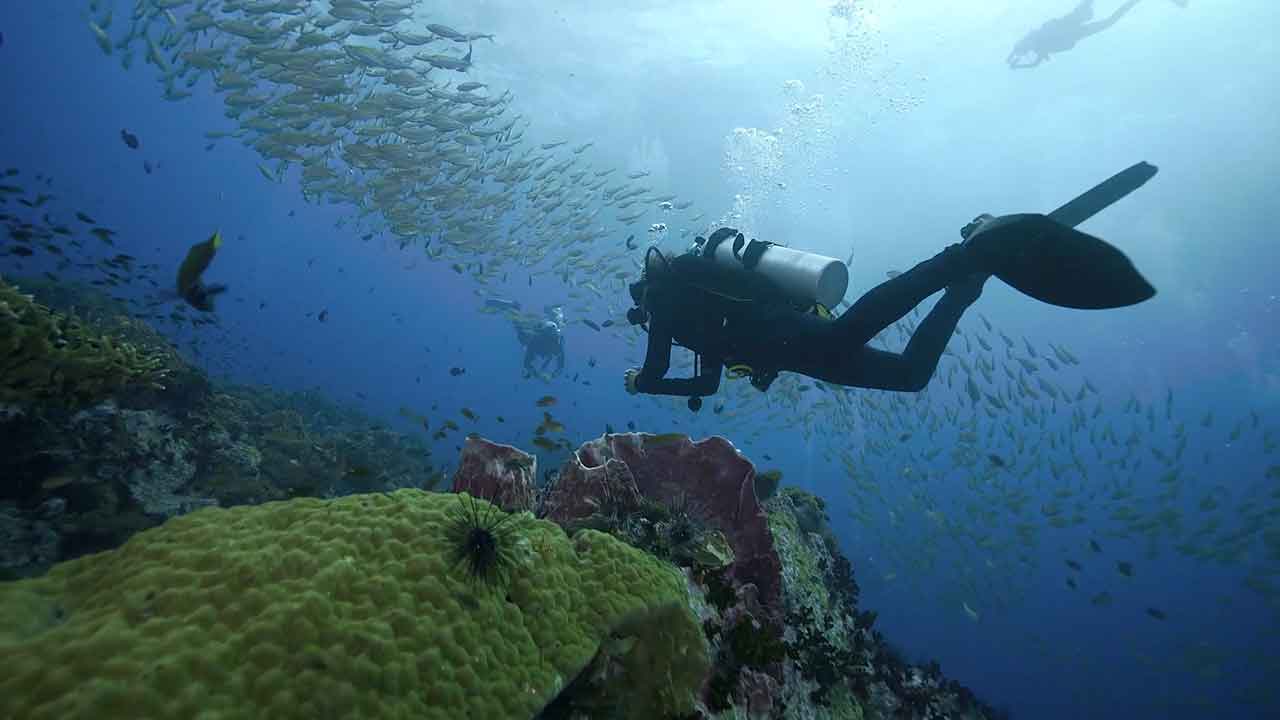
[542, 339]
[757, 309]
[1062, 33]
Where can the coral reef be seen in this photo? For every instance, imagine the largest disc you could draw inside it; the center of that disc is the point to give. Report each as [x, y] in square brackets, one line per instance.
[29, 539]
[348, 608]
[838, 666]
[709, 475]
[117, 469]
[88, 464]
[499, 473]
[798, 648]
[47, 356]
[656, 577]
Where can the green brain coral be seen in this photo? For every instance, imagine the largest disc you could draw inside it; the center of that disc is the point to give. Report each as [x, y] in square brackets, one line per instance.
[47, 355]
[339, 609]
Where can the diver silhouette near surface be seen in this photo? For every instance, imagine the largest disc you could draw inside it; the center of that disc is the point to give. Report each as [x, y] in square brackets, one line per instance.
[732, 303]
[1062, 33]
[542, 339]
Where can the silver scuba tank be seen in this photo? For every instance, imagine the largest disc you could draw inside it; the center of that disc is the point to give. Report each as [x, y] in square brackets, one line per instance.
[807, 278]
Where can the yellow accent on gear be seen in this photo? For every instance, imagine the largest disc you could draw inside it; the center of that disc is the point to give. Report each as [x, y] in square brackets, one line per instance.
[345, 608]
[734, 372]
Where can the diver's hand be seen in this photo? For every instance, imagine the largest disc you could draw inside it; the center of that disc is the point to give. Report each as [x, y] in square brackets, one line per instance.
[629, 380]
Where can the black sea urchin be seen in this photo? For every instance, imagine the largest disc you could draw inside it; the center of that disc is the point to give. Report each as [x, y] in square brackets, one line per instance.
[478, 536]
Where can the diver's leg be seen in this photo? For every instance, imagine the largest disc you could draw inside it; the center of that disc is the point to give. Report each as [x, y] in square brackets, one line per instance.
[1096, 27]
[528, 360]
[1082, 13]
[930, 339]
[889, 301]
[911, 370]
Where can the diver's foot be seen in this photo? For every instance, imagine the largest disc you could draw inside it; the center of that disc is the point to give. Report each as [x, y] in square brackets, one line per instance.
[992, 243]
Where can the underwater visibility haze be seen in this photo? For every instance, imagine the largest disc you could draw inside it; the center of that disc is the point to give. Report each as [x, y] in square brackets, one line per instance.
[398, 358]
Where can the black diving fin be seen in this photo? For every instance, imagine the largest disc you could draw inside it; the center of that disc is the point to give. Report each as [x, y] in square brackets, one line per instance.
[1063, 266]
[1104, 194]
[1051, 261]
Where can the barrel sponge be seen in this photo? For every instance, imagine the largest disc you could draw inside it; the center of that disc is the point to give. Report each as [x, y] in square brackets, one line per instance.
[343, 608]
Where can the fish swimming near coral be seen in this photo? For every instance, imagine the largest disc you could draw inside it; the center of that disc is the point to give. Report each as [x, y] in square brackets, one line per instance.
[191, 287]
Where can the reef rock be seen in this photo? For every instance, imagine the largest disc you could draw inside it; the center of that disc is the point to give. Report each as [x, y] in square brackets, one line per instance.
[711, 552]
[350, 607]
[582, 490]
[499, 473]
[709, 475]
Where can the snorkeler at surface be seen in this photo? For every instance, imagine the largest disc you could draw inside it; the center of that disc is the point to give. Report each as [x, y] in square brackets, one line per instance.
[542, 339]
[1062, 33]
[733, 303]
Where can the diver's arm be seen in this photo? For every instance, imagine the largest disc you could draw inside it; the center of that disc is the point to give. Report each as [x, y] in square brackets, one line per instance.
[657, 356]
[657, 360]
[705, 383]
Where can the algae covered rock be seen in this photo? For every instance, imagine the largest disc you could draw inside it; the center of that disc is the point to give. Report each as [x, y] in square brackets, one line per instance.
[353, 607]
[50, 356]
[709, 551]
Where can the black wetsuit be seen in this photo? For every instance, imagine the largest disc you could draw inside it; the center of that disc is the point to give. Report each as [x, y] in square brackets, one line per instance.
[1062, 34]
[741, 318]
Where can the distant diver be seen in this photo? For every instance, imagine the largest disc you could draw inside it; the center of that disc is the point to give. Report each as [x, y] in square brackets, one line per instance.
[542, 339]
[756, 309]
[497, 304]
[1062, 33]
[190, 285]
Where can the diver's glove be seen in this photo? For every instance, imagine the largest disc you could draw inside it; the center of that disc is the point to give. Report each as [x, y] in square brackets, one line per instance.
[629, 380]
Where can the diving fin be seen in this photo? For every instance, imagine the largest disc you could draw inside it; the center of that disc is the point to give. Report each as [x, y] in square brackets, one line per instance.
[1051, 262]
[1104, 194]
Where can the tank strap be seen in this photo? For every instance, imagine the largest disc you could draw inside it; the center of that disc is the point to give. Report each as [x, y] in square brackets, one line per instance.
[751, 256]
[717, 237]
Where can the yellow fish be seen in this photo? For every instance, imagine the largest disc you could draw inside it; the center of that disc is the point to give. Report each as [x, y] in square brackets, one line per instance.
[190, 287]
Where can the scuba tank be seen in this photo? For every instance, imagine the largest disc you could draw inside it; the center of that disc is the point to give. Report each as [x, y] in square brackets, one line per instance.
[807, 278]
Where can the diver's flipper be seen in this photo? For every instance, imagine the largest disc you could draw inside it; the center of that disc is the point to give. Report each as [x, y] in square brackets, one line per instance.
[1104, 194]
[1059, 265]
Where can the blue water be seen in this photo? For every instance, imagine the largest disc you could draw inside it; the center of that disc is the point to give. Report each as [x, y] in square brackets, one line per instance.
[1190, 90]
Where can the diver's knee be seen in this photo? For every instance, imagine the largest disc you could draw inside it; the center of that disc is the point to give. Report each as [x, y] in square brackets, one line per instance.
[917, 381]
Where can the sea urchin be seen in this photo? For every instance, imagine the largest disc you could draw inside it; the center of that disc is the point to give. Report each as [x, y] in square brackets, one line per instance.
[479, 536]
